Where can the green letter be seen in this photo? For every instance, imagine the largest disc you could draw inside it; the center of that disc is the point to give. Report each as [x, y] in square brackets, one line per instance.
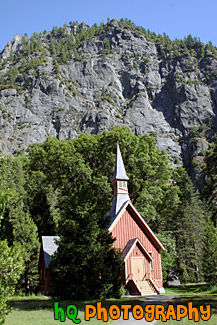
[58, 310]
[73, 315]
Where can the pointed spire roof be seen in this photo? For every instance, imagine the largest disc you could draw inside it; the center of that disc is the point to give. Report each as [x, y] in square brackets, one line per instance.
[120, 172]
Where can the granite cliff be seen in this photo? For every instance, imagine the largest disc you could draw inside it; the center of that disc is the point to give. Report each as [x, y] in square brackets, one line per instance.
[88, 79]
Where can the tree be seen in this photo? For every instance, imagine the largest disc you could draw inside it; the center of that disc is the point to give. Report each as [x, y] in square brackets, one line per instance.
[12, 75]
[107, 47]
[11, 262]
[210, 253]
[169, 256]
[85, 266]
[210, 188]
[12, 182]
[11, 267]
[78, 175]
[17, 226]
[106, 44]
[188, 226]
[64, 167]
[26, 233]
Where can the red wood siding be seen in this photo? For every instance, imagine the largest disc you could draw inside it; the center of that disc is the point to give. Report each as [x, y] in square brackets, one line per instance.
[128, 228]
[136, 252]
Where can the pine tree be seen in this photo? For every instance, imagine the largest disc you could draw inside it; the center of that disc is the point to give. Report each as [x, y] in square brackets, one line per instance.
[210, 188]
[169, 256]
[188, 226]
[210, 254]
[11, 261]
[17, 226]
[26, 233]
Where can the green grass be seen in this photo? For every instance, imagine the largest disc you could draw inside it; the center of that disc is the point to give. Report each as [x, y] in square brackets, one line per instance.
[197, 293]
[39, 310]
[197, 301]
[192, 289]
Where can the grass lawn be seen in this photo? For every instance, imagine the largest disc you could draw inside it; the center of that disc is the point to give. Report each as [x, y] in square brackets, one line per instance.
[198, 294]
[39, 310]
[192, 289]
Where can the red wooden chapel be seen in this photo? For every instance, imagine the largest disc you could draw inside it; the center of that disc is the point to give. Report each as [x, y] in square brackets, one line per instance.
[142, 272]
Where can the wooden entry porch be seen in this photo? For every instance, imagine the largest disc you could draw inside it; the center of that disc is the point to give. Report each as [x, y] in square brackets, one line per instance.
[147, 286]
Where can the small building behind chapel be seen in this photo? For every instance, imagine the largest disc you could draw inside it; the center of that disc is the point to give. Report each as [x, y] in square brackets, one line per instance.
[49, 245]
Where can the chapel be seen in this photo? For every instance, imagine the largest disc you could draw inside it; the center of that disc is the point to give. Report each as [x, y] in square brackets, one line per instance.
[142, 273]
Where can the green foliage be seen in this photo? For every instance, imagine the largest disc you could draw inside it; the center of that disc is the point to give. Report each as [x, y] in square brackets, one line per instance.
[17, 226]
[9, 79]
[63, 44]
[107, 99]
[188, 228]
[56, 67]
[210, 253]
[107, 48]
[13, 183]
[11, 261]
[11, 267]
[210, 187]
[167, 48]
[65, 188]
[169, 256]
[86, 266]
[89, 161]
[26, 233]
[77, 174]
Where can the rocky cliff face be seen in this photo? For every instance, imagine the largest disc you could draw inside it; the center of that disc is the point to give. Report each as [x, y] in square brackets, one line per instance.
[127, 81]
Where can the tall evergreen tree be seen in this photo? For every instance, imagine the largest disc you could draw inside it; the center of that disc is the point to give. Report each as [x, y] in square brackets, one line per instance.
[169, 256]
[210, 188]
[11, 261]
[210, 253]
[17, 226]
[25, 232]
[188, 227]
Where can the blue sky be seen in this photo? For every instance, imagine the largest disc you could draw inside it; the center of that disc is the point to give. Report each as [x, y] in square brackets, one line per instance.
[177, 18]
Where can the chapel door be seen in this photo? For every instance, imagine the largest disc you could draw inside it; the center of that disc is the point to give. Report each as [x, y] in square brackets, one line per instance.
[138, 267]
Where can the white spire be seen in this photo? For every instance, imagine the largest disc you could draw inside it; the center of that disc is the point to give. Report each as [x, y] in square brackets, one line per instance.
[120, 172]
[119, 180]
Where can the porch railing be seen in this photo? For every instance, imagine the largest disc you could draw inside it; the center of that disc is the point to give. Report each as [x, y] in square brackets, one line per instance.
[149, 277]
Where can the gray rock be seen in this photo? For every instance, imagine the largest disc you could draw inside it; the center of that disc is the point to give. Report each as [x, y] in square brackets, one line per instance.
[8, 92]
[172, 278]
[173, 283]
[133, 86]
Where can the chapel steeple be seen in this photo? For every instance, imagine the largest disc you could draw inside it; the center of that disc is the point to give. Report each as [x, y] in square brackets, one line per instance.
[119, 181]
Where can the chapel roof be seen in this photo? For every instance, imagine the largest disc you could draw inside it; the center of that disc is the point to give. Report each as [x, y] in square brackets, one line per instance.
[140, 220]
